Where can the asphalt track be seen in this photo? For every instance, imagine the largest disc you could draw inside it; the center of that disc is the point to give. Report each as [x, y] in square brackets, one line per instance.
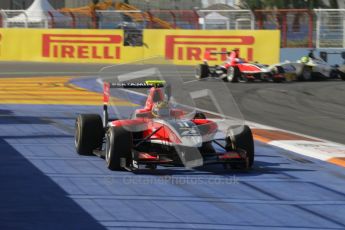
[46, 185]
[311, 108]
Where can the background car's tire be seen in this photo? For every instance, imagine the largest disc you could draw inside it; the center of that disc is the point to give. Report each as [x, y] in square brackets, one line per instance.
[119, 143]
[89, 133]
[334, 74]
[342, 75]
[201, 71]
[243, 140]
[305, 73]
[278, 80]
[279, 70]
[233, 74]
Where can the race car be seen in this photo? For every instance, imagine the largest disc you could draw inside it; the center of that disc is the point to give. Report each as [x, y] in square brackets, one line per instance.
[236, 69]
[311, 67]
[160, 134]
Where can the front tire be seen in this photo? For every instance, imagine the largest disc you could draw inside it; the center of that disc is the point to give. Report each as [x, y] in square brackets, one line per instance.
[119, 143]
[243, 140]
[233, 74]
[342, 75]
[201, 71]
[89, 133]
[279, 71]
[334, 74]
[305, 74]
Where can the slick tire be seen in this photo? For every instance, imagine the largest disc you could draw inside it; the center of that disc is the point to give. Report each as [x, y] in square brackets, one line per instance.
[243, 140]
[119, 144]
[305, 73]
[342, 75]
[334, 74]
[201, 71]
[280, 71]
[207, 148]
[233, 74]
[89, 133]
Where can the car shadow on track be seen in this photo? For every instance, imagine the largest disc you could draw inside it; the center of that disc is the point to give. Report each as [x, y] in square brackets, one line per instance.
[260, 168]
[30, 200]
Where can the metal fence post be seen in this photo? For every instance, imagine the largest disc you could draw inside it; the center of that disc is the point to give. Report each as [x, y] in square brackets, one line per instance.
[26, 22]
[343, 16]
[3, 18]
[318, 25]
[310, 29]
[52, 20]
[252, 20]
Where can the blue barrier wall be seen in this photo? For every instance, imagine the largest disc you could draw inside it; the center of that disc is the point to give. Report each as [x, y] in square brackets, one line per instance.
[293, 54]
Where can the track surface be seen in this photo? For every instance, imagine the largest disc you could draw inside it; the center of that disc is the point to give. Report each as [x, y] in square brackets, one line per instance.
[46, 185]
[311, 108]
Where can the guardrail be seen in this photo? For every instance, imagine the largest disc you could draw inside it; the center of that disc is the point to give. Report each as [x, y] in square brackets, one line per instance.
[319, 28]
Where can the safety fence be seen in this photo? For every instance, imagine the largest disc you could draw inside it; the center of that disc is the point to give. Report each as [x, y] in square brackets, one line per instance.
[330, 28]
[296, 25]
[319, 28]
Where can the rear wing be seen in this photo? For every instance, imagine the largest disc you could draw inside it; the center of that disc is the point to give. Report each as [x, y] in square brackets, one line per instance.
[136, 85]
[127, 85]
[130, 85]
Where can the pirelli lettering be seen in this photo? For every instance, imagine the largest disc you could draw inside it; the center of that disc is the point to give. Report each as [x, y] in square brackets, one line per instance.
[193, 47]
[75, 46]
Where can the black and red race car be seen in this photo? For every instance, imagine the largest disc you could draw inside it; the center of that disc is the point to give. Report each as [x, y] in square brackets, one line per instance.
[239, 70]
[160, 134]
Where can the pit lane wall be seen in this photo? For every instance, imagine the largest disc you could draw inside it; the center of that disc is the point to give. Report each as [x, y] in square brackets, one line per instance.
[183, 47]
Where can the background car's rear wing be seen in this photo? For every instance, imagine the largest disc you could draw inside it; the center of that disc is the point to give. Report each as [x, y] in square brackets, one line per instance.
[207, 55]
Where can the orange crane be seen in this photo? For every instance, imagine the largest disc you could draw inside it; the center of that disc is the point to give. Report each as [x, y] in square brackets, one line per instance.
[90, 9]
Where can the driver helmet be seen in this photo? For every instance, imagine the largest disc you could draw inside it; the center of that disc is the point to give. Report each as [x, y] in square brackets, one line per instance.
[304, 59]
[237, 52]
[161, 109]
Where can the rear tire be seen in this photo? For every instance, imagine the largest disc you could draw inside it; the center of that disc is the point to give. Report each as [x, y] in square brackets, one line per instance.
[233, 74]
[334, 74]
[201, 71]
[89, 133]
[305, 74]
[279, 70]
[119, 143]
[243, 140]
[342, 75]
[207, 148]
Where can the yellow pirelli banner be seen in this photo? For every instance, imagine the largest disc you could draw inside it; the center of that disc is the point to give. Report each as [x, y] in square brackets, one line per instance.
[184, 47]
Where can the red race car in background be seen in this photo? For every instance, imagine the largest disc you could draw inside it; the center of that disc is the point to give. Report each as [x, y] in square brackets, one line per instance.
[236, 69]
[161, 133]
